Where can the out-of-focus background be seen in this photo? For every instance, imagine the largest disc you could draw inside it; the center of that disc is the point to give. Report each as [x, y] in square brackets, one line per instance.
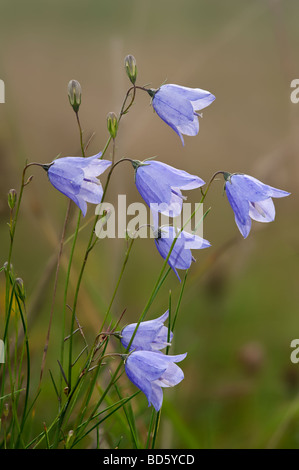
[239, 312]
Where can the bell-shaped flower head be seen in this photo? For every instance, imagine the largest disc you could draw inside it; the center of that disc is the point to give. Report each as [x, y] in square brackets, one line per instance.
[180, 256]
[177, 105]
[160, 186]
[75, 177]
[250, 199]
[151, 335]
[150, 371]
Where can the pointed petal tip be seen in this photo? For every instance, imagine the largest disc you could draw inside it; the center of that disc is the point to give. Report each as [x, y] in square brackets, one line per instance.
[176, 273]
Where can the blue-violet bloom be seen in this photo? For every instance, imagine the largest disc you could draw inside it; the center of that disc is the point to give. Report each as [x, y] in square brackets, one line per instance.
[151, 335]
[250, 199]
[75, 177]
[177, 105]
[180, 256]
[160, 186]
[150, 371]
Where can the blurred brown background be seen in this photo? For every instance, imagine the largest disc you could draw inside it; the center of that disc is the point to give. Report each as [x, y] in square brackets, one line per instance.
[240, 308]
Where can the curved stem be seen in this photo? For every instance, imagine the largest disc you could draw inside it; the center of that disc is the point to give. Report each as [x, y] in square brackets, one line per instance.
[92, 243]
[90, 246]
[209, 184]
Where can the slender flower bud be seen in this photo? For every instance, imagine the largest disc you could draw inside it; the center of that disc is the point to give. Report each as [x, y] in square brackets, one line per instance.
[20, 288]
[6, 410]
[74, 94]
[131, 68]
[12, 198]
[112, 124]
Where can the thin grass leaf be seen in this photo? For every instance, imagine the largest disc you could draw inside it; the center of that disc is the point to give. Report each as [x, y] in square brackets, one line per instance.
[123, 402]
[54, 385]
[157, 423]
[130, 419]
[10, 394]
[179, 300]
[149, 433]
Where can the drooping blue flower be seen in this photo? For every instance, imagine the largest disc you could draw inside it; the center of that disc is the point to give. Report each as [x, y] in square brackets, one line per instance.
[75, 177]
[250, 199]
[160, 186]
[150, 371]
[180, 256]
[177, 105]
[151, 335]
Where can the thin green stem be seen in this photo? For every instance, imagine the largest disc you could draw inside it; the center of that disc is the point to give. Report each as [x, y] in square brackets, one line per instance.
[91, 244]
[158, 417]
[65, 298]
[118, 282]
[179, 301]
[24, 415]
[54, 292]
[81, 134]
[65, 294]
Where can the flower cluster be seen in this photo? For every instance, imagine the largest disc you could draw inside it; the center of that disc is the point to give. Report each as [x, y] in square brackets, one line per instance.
[161, 186]
[145, 365]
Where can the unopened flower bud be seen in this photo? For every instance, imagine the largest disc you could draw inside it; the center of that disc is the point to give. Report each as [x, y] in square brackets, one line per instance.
[12, 198]
[131, 68]
[6, 410]
[20, 288]
[74, 94]
[112, 124]
[68, 439]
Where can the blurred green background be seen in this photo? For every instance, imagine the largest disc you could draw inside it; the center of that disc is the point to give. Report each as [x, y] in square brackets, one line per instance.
[239, 312]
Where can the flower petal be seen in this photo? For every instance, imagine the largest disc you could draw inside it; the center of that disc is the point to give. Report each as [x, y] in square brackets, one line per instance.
[244, 227]
[195, 242]
[199, 98]
[91, 192]
[159, 184]
[67, 181]
[171, 377]
[237, 200]
[254, 190]
[151, 186]
[145, 335]
[180, 257]
[262, 211]
[190, 128]
[81, 203]
[175, 177]
[156, 397]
